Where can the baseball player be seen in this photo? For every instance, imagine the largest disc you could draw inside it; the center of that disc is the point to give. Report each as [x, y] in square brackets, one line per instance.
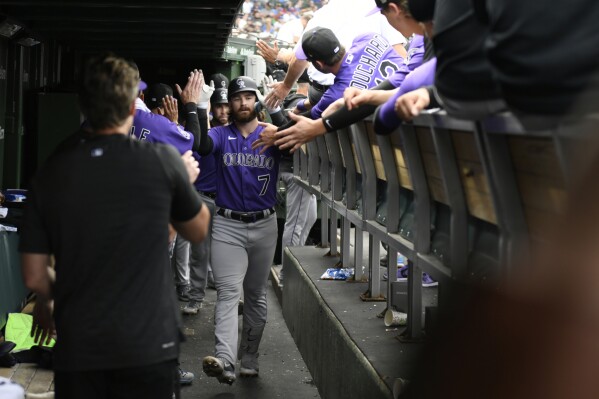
[244, 231]
[200, 270]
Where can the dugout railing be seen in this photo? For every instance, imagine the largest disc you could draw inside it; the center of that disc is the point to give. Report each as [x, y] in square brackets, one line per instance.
[461, 200]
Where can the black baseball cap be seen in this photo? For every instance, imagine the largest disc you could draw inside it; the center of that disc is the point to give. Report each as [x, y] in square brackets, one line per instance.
[219, 96]
[155, 93]
[220, 81]
[318, 44]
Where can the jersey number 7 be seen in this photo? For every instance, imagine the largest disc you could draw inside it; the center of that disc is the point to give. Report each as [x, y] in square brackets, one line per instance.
[266, 180]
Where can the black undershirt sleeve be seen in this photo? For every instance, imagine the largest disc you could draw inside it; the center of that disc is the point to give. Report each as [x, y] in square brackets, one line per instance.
[192, 123]
[205, 142]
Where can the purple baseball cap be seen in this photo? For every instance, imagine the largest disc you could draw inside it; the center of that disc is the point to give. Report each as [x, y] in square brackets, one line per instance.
[142, 85]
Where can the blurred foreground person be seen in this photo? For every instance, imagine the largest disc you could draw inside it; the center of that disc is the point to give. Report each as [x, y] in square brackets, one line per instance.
[535, 336]
[101, 205]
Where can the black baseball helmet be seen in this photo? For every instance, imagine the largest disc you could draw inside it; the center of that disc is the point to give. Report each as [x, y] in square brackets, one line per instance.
[242, 83]
[219, 97]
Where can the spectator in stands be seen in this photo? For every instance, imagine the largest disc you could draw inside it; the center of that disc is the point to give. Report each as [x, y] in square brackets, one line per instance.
[122, 193]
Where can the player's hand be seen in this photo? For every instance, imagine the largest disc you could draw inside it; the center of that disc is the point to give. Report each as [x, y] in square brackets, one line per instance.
[412, 103]
[42, 329]
[335, 105]
[205, 94]
[193, 87]
[277, 94]
[304, 130]
[171, 109]
[349, 94]
[267, 137]
[191, 165]
[267, 82]
[267, 52]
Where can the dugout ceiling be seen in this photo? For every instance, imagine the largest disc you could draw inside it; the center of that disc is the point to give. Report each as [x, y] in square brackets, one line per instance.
[150, 29]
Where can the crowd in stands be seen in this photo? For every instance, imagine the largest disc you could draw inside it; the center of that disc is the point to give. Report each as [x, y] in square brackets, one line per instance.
[277, 19]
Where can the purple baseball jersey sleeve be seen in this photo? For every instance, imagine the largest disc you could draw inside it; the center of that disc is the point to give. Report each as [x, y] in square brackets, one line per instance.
[369, 61]
[386, 118]
[246, 181]
[412, 61]
[158, 129]
[206, 181]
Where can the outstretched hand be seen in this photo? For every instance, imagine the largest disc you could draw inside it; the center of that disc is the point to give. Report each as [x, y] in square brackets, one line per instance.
[277, 94]
[304, 130]
[412, 103]
[267, 52]
[191, 92]
[171, 109]
[267, 137]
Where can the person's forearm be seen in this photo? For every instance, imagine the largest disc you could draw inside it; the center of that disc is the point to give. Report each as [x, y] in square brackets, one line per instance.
[295, 70]
[35, 274]
[206, 144]
[192, 123]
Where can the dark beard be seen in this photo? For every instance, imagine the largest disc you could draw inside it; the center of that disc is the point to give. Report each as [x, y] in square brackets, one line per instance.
[243, 119]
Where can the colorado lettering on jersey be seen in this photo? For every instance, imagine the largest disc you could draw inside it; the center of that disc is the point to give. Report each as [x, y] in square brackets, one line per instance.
[249, 160]
[370, 62]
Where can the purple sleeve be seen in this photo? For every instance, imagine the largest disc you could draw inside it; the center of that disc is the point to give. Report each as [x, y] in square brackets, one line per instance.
[332, 94]
[386, 119]
[412, 61]
[158, 129]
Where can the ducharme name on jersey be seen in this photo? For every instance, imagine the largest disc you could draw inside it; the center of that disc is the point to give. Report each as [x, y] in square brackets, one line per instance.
[249, 160]
[370, 62]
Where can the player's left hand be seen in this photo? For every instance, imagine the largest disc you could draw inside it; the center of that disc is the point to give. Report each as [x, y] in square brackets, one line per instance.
[267, 137]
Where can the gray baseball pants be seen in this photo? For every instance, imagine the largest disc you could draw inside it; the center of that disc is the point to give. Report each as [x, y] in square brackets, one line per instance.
[242, 254]
[301, 213]
[180, 261]
[199, 260]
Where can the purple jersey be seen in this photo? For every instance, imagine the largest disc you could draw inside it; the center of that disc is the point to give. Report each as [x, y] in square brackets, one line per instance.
[386, 118]
[413, 60]
[158, 129]
[206, 181]
[246, 181]
[369, 61]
